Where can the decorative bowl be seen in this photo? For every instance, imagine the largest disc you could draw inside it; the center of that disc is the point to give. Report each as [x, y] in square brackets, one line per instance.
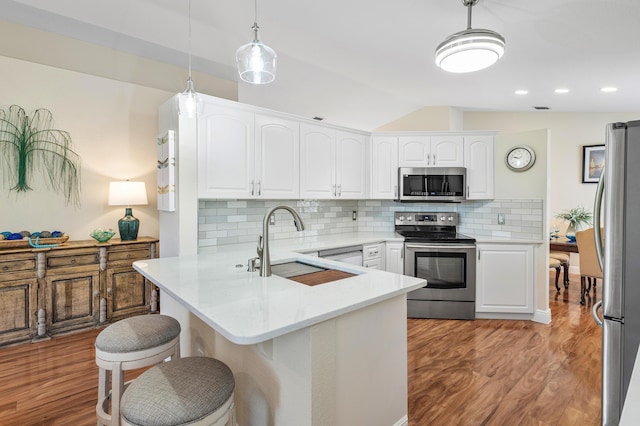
[102, 235]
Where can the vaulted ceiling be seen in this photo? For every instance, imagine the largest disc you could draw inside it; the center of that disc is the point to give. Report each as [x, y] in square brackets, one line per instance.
[364, 63]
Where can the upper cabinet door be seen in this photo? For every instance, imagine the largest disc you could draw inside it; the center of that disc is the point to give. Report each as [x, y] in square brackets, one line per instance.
[277, 144]
[384, 167]
[350, 165]
[479, 161]
[317, 162]
[414, 151]
[225, 153]
[446, 151]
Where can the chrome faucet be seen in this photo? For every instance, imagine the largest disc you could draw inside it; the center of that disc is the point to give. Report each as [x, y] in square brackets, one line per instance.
[263, 240]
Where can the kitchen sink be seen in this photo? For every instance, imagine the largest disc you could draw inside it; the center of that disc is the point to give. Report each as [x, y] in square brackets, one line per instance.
[305, 273]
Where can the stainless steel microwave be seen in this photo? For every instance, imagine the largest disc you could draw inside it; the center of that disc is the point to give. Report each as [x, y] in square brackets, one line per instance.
[442, 184]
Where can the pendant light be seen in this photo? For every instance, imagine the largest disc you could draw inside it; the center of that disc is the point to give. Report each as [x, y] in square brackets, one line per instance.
[471, 49]
[188, 98]
[256, 61]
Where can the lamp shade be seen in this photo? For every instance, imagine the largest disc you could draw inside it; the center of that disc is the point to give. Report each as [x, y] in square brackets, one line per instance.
[127, 193]
[470, 50]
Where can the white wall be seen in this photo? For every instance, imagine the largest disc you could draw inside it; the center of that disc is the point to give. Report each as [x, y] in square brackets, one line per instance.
[108, 102]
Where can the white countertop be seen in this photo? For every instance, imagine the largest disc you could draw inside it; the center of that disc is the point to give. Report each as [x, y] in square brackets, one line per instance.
[247, 309]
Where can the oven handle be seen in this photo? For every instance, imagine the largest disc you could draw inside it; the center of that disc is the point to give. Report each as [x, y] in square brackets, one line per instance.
[431, 246]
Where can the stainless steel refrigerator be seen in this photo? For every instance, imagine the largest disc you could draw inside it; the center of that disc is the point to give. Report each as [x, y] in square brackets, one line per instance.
[618, 204]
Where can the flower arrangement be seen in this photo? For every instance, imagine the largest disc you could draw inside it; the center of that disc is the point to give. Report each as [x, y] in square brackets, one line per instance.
[577, 217]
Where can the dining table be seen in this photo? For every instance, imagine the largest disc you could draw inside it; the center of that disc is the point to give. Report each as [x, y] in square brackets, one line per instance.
[563, 244]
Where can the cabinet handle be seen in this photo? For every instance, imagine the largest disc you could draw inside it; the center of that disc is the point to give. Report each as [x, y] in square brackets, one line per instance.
[434, 159]
[479, 254]
[402, 253]
[252, 188]
[259, 188]
[339, 190]
[395, 191]
[335, 193]
[467, 191]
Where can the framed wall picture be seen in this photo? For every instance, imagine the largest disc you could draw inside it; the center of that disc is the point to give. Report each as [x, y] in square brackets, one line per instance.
[592, 163]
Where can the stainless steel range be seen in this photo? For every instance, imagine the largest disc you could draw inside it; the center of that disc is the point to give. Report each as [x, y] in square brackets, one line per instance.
[436, 252]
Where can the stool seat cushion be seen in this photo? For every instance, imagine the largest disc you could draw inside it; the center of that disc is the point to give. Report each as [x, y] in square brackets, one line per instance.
[554, 263]
[177, 392]
[138, 333]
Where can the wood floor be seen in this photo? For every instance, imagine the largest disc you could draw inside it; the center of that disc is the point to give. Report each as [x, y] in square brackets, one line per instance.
[488, 372]
[482, 372]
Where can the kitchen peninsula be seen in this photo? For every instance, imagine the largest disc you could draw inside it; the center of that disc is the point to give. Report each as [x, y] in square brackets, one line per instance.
[330, 354]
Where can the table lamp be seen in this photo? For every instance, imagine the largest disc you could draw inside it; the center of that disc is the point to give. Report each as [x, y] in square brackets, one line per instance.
[128, 194]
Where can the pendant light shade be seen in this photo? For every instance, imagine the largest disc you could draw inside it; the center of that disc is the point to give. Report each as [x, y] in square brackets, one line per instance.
[469, 50]
[256, 61]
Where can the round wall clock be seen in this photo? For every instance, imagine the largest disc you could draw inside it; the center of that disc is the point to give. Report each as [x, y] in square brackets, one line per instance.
[520, 158]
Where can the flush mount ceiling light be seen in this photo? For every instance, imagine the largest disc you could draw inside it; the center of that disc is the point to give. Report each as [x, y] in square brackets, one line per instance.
[256, 61]
[188, 99]
[471, 49]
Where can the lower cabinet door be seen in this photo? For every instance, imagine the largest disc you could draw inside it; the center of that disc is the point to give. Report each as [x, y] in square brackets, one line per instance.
[72, 300]
[18, 306]
[505, 278]
[128, 293]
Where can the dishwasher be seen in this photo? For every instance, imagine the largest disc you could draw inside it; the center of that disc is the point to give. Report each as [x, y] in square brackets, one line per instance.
[351, 255]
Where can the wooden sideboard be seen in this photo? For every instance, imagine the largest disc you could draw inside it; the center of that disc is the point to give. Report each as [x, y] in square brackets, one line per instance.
[79, 284]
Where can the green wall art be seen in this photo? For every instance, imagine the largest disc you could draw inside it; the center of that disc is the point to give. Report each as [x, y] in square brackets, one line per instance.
[29, 144]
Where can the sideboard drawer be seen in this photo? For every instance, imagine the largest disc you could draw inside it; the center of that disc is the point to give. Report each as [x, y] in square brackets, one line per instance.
[17, 266]
[130, 255]
[70, 261]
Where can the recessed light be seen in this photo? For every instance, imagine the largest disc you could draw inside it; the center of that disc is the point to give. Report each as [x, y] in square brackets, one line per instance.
[609, 89]
[561, 90]
[522, 92]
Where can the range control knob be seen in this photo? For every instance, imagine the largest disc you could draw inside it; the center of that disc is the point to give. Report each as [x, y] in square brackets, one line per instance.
[450, 218]
[401, 218]
[442, 218]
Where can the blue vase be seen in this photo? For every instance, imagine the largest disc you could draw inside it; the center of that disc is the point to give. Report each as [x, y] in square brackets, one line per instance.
[571, 232]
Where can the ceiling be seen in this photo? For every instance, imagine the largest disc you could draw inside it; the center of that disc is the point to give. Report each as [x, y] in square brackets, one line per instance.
[364, 63]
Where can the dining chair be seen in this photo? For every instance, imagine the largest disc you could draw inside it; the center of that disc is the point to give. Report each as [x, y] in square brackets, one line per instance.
[589, 265]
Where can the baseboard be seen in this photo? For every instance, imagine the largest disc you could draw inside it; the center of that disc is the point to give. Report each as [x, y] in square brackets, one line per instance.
[403, 421]
[541, 316]
[504, 316]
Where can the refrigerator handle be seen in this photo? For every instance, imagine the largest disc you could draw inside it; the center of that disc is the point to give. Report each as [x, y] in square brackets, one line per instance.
[594, 313]
[596, 219]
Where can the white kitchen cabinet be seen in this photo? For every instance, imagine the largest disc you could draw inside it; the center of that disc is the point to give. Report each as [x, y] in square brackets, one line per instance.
[505, 278]
[226, 152]
[426, 151]
[331, 163]
[373, 256]
[479, 153]
[394, 257]
[277, 158]
[247, 155]
[384, 167]
[447, 151]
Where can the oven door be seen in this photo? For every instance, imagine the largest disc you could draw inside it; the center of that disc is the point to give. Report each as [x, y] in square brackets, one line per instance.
[450, 271]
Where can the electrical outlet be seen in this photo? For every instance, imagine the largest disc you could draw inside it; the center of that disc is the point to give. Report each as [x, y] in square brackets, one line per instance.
[501, 219]
[354, 215]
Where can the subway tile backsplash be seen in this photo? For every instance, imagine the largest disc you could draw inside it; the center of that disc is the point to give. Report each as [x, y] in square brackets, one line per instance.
[240, 221]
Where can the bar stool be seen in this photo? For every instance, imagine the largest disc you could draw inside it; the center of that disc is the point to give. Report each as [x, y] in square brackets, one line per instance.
[192, 390]
[130, 343]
